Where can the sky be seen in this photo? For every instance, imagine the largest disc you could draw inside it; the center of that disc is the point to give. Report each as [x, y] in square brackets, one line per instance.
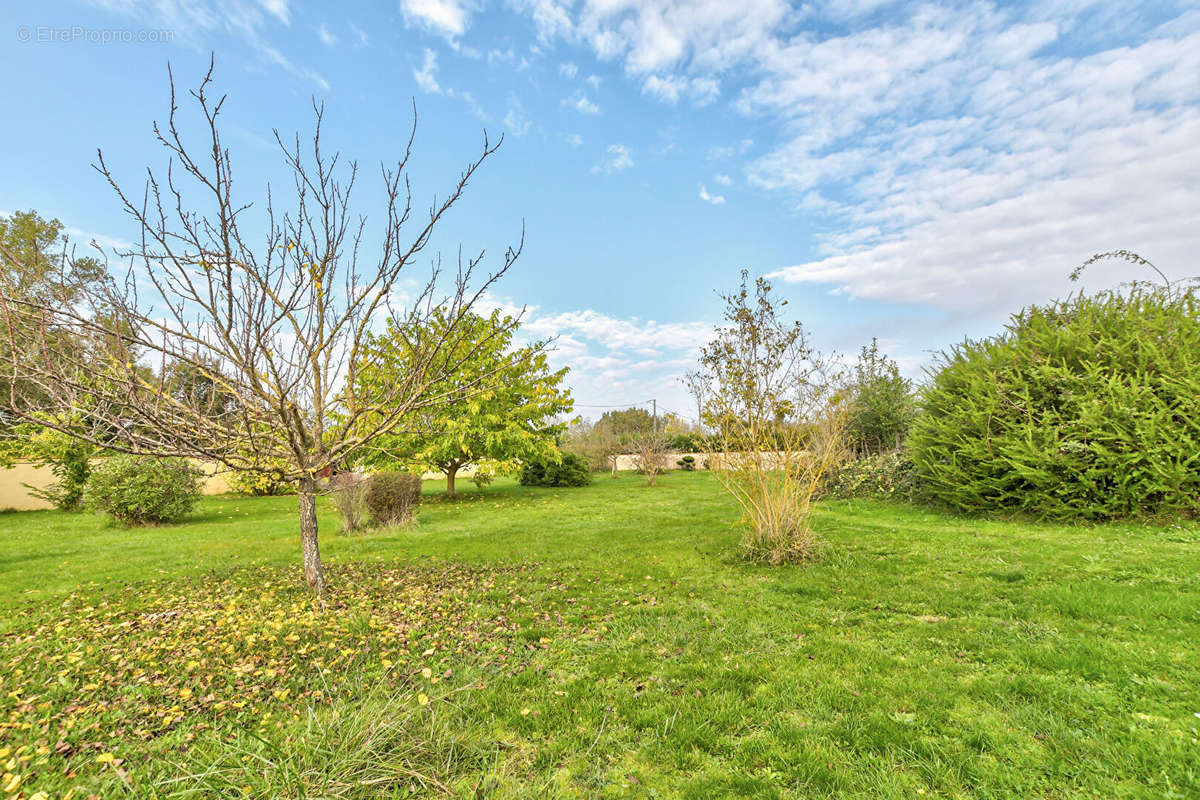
[914, 172]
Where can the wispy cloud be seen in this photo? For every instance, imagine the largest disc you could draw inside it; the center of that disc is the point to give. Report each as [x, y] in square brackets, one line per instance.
[426, 74]
[582, 104]
[447, 17]
[715, 199]
[617, 159]
[515, 120]
[327, 38]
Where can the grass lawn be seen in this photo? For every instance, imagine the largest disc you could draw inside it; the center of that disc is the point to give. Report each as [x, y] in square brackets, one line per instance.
[597, 642]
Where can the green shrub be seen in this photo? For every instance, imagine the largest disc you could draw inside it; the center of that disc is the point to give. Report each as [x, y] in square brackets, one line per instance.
[570, 471]
[882, 407]
[140, 490]
[1084, 409]
[687, 463]
[884, 476]
[393, 497]
[259, 484]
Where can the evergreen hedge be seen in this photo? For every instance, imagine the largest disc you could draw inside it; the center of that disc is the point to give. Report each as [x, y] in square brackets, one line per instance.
[1086, 409]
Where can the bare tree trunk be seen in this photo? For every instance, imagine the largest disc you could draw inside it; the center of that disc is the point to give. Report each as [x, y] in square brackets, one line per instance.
[314, 575]
[451, 471]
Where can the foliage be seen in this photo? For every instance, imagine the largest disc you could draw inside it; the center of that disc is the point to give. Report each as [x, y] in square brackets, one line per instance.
[883, 476]
[140, 490]
[1081, 409]
[628, 422]
[259, 483]
[349, 493]
[569, 470]
[393, 497]
[882, 407]
[482, 476]
[778, 421]
[595, 443]
[687, 463]
[508, 405]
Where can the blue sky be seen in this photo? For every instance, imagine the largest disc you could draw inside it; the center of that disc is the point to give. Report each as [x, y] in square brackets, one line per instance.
[914, 172]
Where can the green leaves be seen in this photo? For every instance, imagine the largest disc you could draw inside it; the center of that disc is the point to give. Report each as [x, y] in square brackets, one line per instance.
[501, 406]
[1084, 409]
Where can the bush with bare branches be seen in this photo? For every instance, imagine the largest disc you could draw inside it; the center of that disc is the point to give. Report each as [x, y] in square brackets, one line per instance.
[348, 490]
[650, 454]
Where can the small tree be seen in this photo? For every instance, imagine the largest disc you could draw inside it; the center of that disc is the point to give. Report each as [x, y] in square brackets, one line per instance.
[773, 405]
[650, 450]
[279, 325]
[882, 406]
[510, 416]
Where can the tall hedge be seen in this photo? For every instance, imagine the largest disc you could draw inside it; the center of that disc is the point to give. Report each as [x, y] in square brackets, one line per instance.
[1086, 409]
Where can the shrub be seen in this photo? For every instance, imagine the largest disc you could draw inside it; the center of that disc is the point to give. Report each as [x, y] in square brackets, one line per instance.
[482, 477]
[1083, 409]
[687, 463]
[139, 490]
[570, 471]
[259, 484]
[393, 497]
[349, 493]
[884, 476]
[882, 408]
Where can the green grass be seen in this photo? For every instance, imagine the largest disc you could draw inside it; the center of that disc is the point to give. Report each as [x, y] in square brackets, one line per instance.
[600, 642]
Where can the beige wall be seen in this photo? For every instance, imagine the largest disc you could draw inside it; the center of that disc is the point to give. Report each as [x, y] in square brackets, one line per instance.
[15, 494]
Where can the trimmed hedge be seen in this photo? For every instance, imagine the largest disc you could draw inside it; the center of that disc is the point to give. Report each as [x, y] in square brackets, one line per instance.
[1086, 409]
[570, 471]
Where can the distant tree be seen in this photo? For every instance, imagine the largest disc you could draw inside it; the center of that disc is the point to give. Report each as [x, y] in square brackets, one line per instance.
[628, 422]
[883, 405]
[512, 413]
[650, 454]
[595, 443]
[273, 307]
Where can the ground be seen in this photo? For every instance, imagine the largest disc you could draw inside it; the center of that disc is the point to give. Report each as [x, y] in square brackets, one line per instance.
[598, 642]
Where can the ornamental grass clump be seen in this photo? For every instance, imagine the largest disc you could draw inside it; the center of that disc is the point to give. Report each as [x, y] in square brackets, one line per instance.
[776, 409]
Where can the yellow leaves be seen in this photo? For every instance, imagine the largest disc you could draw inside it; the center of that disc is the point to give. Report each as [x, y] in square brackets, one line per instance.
[10, 782]
[525, 712]
[427, 673]
[185, 693]
[386, 663]
[105, 758]
[422, 699]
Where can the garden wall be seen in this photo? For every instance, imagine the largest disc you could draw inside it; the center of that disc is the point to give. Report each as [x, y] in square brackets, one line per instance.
[14, 494]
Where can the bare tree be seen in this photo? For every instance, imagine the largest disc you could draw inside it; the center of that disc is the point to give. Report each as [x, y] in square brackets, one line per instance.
[650, 454]
[270, 311]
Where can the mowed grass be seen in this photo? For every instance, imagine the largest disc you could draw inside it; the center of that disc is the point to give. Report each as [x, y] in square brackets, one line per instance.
[598, 642]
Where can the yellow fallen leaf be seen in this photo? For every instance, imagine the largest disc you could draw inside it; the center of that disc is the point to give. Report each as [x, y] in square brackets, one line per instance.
[525, 712]
[104, 758]
[423, 699]
[427, 673]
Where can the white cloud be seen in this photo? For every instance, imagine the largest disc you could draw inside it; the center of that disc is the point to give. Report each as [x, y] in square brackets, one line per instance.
[568, 70]
[515, 120]
[447, 17]
[715, 199]
[426, 75]
[619, 157]
[328, 39]
[361, 38]
[575, 140]
[582, 104]
[722, 152]
[723, 179]
[279, 8]
[1020, 169]
[594, 81]
[668, 89]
